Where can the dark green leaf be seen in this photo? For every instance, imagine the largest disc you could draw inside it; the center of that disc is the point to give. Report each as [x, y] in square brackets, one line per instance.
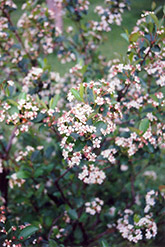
[104, 243]
[76, 94]
[144, 124]
[27, 232]
[73, 214]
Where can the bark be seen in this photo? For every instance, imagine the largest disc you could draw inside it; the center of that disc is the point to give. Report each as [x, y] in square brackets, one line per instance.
[4, 185]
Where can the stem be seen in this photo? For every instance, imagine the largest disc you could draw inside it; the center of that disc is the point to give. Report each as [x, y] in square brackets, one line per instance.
[62, 194]
[63, 174]
[53, 223]
[108, 231]
[133, 189]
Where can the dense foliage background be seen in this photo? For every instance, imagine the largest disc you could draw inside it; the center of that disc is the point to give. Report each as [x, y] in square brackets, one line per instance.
[82, 133]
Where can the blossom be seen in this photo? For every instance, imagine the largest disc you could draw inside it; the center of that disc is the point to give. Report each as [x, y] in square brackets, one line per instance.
[91, 175]
[94, 206]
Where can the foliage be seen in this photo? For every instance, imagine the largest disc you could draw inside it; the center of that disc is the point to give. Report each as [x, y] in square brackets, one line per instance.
[81, 155]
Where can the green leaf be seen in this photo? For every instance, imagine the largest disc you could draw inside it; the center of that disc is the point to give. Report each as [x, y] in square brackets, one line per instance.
[154, 97]
[23, 174]
[40, 62]
[84, 69]
[144, 124]
[7, 91]
[134, 37]
[104, 243]
[53, 243]
[12, 102]
[27, 232]
[136, 218]
[153, 5]
[125, 36]
[73, 214]
[100, 125]
[155, 19]
[53, 102]
[76, 94]
[83, 217]
[79, 146]
[43, 104]
[81, 62]
[22, 96]
[13, 110]
[137, 131]
[81, 90]
[39, 118]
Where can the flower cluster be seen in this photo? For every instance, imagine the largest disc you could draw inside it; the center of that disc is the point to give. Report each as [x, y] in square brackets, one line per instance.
[150, 174]
[43, 34]
[142, 227]
[134, 232]
[88, 123]
[109, 15]
[94, 206]
[14, 180]
[91, 175]
[150, 200]
[20, 113]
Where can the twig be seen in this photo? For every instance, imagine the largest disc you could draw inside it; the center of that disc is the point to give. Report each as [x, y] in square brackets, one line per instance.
[57, 180]
[108, 231]
[62, 194]
[53, 223]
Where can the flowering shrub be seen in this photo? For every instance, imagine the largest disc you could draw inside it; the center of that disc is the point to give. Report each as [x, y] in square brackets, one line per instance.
[81, 155]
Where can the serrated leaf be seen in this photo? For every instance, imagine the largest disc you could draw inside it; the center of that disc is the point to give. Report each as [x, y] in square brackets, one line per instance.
[73, 214]
[144, 124]
[27, 232]
[76, 94]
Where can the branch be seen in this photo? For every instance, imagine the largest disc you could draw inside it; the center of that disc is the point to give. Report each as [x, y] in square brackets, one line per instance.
[62, 194]
[57, 180]
[108, 231]
[53, 223]
[10, 142]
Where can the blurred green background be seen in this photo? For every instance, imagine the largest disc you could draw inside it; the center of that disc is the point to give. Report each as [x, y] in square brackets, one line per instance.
[114, 42]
